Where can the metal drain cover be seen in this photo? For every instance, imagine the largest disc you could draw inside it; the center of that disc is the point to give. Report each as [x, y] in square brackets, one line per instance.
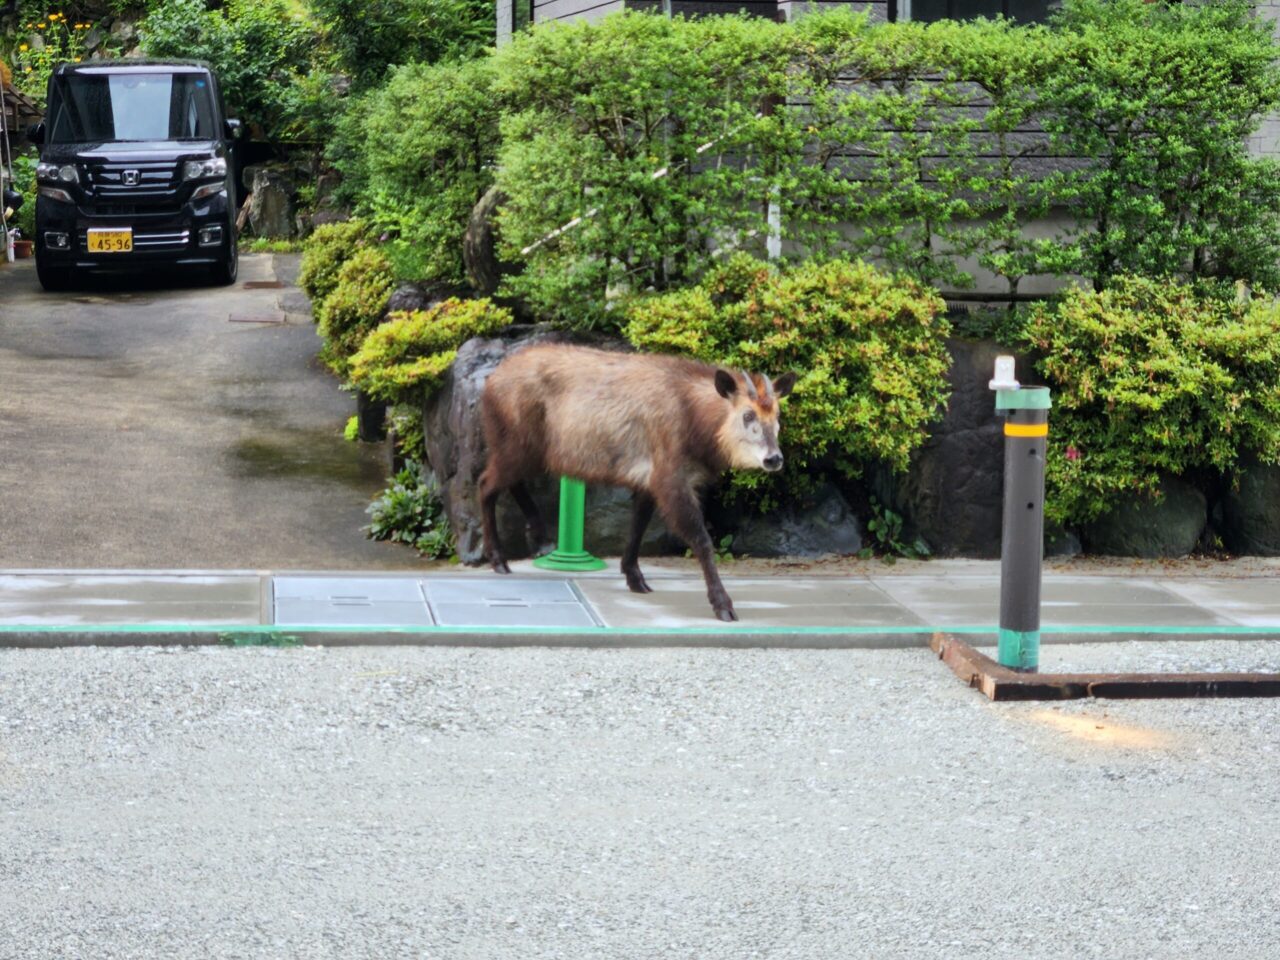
[507, 602]
[374, 601]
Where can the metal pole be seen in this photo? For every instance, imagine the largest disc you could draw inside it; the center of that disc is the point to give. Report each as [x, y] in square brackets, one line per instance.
[569, 553]
[1026, 431]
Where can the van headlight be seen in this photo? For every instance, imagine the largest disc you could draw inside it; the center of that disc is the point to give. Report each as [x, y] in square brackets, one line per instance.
[63, 172]
[202, 169]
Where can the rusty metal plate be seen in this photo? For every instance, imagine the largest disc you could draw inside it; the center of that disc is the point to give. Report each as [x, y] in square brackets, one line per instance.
[1000, 683]
[268, 318]
[262, 285]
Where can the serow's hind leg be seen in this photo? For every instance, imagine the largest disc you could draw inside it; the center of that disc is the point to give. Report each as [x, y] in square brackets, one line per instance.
[489, 490]
[641, 513]
[535, 528]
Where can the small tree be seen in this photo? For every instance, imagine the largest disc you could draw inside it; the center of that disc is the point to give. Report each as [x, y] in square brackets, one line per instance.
[644, 132]
[1162, 100]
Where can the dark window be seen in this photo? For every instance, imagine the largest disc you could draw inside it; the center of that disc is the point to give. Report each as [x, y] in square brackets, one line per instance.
[88, 107]
[521, 14]
[1023, 11]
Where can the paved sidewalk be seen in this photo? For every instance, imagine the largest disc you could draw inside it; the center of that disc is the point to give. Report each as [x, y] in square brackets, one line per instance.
[880, 608]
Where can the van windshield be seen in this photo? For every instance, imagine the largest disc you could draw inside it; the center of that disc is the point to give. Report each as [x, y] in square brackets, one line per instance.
[91, 108]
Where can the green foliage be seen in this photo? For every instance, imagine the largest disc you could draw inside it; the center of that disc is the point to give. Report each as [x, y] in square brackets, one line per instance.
[324, 253]
[1153, 377]
[593, 112]
[885, 526]
[351, 432]
[874, 156]
[412, 351]
[406, 425]
[354, 307]
[417, 155]
[368, 37]
[24, 181]
[410, 512]
[869, 348]
[268, 245]
[1162, 99]
[260, 50]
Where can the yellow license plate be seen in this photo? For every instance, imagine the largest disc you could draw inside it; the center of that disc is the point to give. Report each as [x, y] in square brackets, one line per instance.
[110, 241]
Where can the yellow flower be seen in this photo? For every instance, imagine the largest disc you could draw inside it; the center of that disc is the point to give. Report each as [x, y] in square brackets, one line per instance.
[77, 59]
[28, 70]
[39, 26]
[22, 47]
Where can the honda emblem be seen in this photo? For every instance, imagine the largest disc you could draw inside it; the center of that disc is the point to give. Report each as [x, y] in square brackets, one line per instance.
[129, 178]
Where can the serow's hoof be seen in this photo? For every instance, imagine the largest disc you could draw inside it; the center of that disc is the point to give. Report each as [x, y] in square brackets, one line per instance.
[726, 614]
[500, 566]
[638, 584]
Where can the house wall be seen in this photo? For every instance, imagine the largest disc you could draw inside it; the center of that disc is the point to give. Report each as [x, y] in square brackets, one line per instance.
[1266, 142]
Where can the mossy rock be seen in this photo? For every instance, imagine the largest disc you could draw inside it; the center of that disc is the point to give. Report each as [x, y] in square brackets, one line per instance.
[1169, 526]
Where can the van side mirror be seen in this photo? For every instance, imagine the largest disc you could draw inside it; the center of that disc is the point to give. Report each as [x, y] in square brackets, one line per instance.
[234, 129]
[35, 133]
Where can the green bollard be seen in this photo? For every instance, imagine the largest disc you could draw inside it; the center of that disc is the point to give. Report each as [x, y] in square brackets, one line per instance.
[1026, 431]
[569, 553]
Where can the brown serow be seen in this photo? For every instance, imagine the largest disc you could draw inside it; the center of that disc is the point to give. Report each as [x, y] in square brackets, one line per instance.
[663, 426]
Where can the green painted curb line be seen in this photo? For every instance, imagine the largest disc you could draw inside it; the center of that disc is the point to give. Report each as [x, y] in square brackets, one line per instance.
[268, 628]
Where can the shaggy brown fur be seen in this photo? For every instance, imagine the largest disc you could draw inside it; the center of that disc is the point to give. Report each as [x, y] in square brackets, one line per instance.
[662, 426]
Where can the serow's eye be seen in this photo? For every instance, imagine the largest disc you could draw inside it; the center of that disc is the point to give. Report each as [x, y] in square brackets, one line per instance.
[749, 417]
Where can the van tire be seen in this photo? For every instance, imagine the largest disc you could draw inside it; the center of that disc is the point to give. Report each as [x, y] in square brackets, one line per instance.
[53, 279]
[224, 271]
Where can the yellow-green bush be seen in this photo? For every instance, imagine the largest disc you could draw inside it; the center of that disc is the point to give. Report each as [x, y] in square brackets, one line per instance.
[323, 255]
[355, 306]
[1153, 377]
[412, 350]
[869, 348]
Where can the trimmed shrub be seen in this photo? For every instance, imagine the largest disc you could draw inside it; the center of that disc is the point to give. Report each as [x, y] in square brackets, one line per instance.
[594, 115]
[1161, 99]
[354, 307]
[323, 255]
[1152, 378]
[869, 348]
[412, 351]
[417, 156]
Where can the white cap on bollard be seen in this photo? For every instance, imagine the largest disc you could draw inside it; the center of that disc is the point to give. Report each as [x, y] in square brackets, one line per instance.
[1004, 378]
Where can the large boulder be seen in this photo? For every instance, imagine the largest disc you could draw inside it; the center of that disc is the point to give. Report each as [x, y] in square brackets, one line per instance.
[272, 194]
[953, 494]
[1169, 526]
[1251, 512]
[420, 295]
[456, 455]
[820, 524]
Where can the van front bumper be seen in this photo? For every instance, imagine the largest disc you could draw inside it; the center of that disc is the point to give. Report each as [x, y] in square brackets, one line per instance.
[199, 234]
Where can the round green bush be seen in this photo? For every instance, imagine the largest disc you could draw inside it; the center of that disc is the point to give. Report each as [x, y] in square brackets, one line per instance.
[355, 306]
[323, 255]
[869, 348]
[1152, 377]
[412, 350]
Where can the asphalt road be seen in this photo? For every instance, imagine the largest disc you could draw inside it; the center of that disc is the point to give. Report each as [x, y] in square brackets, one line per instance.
[442, 803]
[141, 428]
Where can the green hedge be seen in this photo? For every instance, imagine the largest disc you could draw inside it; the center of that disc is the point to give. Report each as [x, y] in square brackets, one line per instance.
[1152, 378]
[354, 307]
[411, 351]
[323, 254]
[869, 348]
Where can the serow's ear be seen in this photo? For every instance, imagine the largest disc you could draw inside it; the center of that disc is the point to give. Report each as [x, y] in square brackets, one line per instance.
[782, 386]
[726, 385]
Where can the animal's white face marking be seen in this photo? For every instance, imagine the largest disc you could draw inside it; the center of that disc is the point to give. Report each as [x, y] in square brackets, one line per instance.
[749, 436]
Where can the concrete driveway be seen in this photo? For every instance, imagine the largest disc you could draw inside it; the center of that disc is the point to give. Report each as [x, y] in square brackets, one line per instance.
[141, 427]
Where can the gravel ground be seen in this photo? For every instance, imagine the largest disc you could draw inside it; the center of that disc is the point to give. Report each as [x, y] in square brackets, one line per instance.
[442, 803]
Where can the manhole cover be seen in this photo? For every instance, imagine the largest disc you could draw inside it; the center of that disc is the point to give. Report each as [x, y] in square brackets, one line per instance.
[373, 601]
[263, 285]
[506, 602]
[257, 318]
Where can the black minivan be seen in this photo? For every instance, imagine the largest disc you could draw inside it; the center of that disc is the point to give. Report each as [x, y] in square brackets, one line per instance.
[136, 171]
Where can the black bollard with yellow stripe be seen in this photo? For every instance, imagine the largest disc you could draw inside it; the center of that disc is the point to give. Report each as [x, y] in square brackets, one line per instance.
[1026, 432]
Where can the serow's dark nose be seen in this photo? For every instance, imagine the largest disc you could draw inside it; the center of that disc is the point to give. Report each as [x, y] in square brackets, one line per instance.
[773, 462]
